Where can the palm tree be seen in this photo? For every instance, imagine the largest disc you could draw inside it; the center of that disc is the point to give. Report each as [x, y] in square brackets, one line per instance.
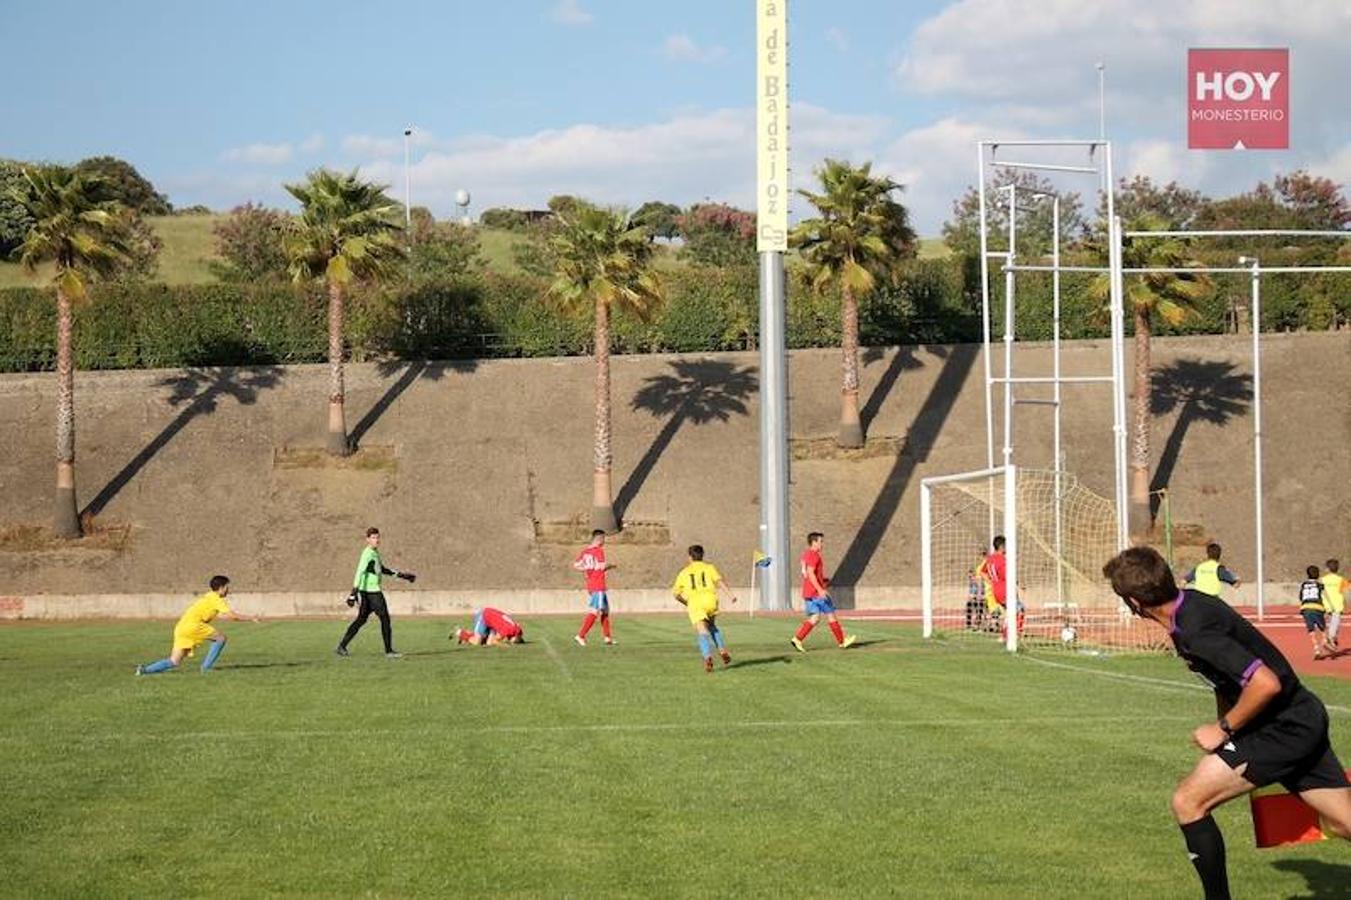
[862, 234]
[84, 236]
[1172, 297]
[603, 262]
[348, 229]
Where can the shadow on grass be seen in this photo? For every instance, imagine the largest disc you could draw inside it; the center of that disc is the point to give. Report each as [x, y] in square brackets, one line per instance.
[859, 645]
[289, 664]
[761, 661]
[1321, 879]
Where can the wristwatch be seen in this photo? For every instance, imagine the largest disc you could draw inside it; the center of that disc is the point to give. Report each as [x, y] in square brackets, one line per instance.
[1226, 727]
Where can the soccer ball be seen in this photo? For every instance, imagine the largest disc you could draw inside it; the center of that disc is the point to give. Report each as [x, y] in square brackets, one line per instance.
[1068, 635]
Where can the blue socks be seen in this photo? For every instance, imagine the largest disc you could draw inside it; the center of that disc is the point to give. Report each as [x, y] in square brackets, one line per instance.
[717, 637]
[162, 665]
[215, 651]
[705, 647]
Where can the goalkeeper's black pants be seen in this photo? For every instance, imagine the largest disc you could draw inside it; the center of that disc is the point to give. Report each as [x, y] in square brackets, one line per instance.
[371, 602]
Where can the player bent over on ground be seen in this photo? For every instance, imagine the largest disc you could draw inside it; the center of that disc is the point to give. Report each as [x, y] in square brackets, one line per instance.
[696, 588]
[367, 595]
[816, 600]
[591, 563]
[491, 626]
[194, 627]
[1271, 728]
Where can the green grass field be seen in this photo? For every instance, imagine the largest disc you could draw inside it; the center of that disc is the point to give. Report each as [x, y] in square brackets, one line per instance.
[896, 768]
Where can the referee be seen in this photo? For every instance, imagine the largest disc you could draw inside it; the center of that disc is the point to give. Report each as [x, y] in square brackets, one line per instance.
[1271, 728]
[366, 594]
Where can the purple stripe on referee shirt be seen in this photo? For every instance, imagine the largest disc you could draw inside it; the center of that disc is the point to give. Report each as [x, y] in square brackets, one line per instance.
[1248, 672]
[1172, 618]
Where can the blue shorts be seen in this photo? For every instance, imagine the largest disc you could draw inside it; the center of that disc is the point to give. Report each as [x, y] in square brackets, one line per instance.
[599, 601]
[818, 605]
[1313, 620]
[480, 627]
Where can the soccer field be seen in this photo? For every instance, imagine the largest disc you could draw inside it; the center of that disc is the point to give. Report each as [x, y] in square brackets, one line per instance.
[895, 768]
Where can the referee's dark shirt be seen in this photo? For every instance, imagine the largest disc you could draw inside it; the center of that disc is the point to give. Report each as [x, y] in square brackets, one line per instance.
[1225, 649]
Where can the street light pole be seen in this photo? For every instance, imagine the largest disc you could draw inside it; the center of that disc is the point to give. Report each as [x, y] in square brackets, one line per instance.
[407, 184]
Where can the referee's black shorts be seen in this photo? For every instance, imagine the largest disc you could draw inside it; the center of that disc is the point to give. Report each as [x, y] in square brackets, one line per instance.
[1291, 748]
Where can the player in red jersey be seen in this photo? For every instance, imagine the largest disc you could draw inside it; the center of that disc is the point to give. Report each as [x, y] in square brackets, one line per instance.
[816, 600]
[994, 572]
[591, 562]
[491, 626]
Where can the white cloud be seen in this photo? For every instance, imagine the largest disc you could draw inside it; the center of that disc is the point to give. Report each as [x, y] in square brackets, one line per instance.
[570, 12]
[312, 144]
[683, 48]
[260, 154]
[837, 38]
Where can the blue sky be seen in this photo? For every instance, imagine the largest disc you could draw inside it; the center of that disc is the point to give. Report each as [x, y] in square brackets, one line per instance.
[629, 100]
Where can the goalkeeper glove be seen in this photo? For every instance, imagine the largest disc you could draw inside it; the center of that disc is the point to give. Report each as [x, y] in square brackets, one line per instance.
[353, 598]
[406, 576]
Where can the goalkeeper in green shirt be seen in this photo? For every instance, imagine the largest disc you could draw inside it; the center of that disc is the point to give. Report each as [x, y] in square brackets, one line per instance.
[366, 595]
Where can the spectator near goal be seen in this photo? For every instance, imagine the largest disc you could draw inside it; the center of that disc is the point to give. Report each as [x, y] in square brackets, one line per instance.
[1207, 577]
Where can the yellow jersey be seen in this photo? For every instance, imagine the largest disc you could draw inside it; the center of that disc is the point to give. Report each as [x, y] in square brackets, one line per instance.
[1333, 587]
[697, 586]
[203, 610]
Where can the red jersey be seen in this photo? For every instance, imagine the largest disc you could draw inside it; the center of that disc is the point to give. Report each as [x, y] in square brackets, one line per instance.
[591, 562]
[994, 571]
[812, 562]
[500, 622]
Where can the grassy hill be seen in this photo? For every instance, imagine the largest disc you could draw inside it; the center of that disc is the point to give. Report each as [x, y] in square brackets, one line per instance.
[189, 246]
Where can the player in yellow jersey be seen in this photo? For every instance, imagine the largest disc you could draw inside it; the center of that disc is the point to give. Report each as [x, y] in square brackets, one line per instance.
[1335, 589]
[696, 588]
[194, 627]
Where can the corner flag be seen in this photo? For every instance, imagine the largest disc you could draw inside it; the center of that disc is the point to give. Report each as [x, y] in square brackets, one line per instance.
[761, 560]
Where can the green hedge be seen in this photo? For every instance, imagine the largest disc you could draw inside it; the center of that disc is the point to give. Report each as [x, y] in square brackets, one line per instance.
[933, 301]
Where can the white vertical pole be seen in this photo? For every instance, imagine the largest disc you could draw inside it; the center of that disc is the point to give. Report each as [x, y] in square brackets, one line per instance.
[1102, 102]
[754, 597]
[1257, 428]
[407, 183]
[1008, 326]
[1011, 557]
[926, 558]
[1055, 362]
[985, 327]
[1116, 286]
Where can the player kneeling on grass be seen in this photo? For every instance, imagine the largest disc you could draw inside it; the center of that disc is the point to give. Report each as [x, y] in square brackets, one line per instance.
[194, 627]
[491, 626]
[1271, 728]
[697, 587]
[816, 601]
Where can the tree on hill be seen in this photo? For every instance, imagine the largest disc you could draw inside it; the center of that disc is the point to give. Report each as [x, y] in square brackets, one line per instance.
[14, 218]
[603, 262]
[348, 229]
[860, 235]
[718, 235]
[962, 232]
[1170, 203]
[442, 248]
[120, 181]
[84, 236]
[662, 220]
[250, 242]
[1170, 296]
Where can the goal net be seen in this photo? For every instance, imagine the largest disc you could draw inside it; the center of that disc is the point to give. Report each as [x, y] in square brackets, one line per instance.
[1058, 534]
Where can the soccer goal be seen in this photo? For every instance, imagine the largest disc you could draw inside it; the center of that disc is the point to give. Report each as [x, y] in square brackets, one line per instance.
[1057, 534]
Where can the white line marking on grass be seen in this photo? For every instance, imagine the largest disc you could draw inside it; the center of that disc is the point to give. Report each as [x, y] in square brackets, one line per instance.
[966, 722]
[1144, 679]
[554, 655]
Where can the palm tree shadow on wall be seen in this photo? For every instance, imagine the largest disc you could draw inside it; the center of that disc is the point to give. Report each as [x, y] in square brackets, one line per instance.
[697, 391]
[1199, 391]
[412, 371]
[199, 392]
[903, 359]
[919, 440]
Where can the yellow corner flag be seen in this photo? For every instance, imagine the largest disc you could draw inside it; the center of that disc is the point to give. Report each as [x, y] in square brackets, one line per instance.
[760, 559]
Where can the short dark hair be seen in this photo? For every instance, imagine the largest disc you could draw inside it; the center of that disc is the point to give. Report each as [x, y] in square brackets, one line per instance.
[372, 530]
[1141, 574]
[1333, 565]
[597, 532]
[998, 542]
[696, 552]
[814, 536]
[1311, 572]
[1212, 550]
[218, 582]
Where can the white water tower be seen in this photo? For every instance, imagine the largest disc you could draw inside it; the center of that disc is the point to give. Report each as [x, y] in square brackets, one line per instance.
[462, 201]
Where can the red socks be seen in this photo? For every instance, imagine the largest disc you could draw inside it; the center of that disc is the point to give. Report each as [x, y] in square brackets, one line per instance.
[838, 630]
[586, 624]
[605, 627]
[804, 629]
